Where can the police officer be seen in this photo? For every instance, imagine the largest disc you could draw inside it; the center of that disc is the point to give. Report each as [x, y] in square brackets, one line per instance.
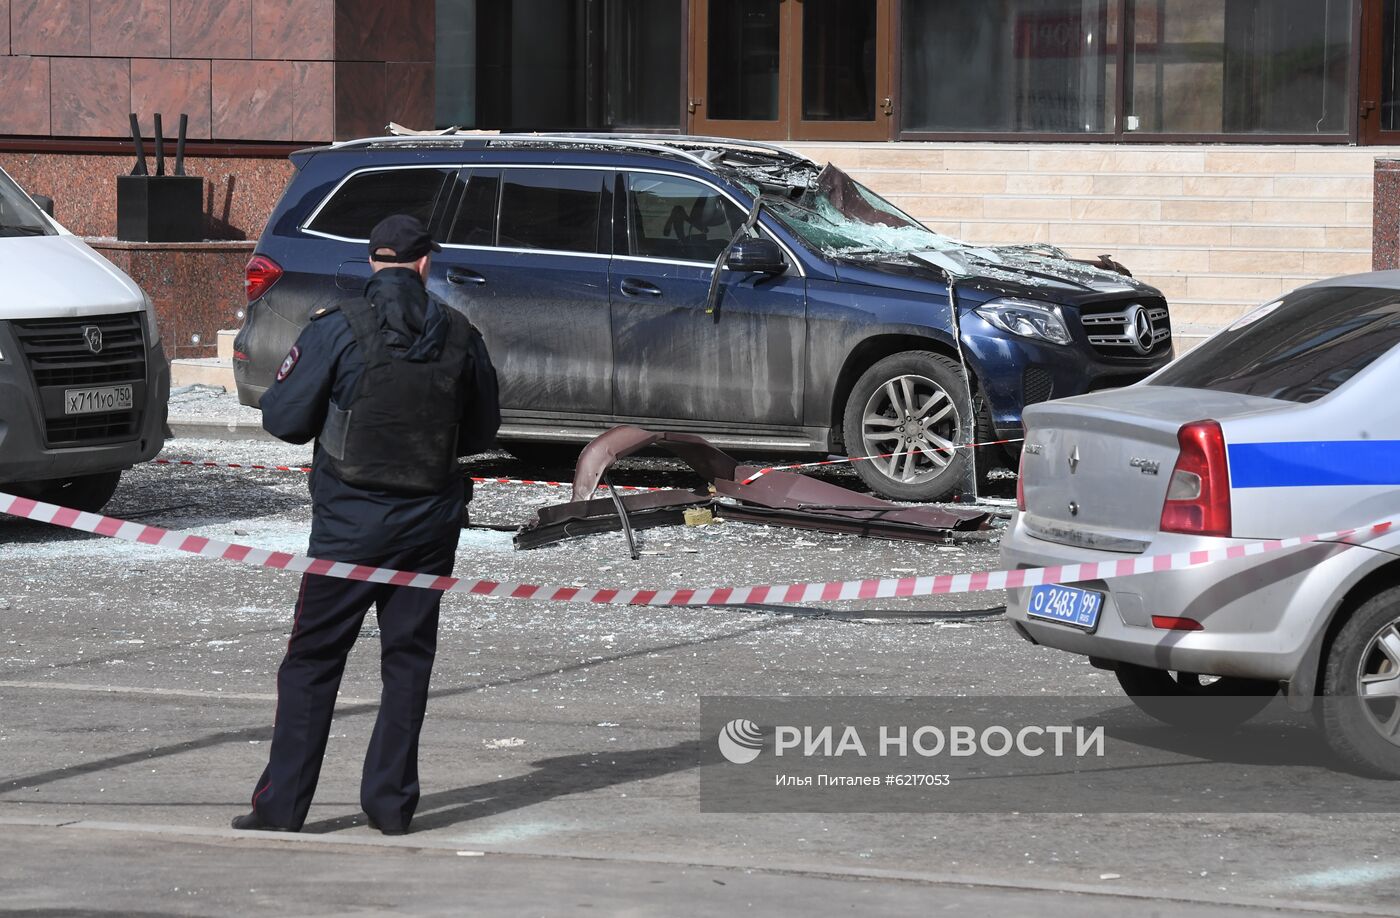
[394, 386]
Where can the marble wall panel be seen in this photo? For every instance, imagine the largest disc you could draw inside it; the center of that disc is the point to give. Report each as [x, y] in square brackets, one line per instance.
[251, 100]
[360, 109]
[50, 27]
[299, 31]
[26, 108]
[409, 94]
[171, 87]
[130, 28]
[90, 96]
[385, 30]
[313, 101]
[211, 28]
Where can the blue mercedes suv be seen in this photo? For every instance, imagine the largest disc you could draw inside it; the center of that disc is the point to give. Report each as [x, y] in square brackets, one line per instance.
[731, 289]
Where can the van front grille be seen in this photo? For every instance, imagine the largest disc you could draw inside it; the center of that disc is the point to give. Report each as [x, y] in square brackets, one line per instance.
[93, 351]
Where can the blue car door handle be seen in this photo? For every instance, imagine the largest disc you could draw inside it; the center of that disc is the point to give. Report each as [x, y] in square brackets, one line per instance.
[631, 286]
[459, 277]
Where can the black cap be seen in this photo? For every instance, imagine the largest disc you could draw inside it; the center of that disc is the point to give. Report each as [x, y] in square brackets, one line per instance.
[400, 239]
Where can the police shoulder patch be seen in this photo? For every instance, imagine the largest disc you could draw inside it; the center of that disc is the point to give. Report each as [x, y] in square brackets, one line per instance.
[289, 363]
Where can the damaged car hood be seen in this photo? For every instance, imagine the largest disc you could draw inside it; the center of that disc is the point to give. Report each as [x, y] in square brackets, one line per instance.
[1028, 271]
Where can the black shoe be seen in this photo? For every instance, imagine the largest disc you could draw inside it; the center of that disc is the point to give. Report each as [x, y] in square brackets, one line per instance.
[382, 830]
[252, 822]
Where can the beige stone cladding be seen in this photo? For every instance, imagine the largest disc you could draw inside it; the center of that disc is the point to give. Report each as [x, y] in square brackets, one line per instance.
[1219, 228]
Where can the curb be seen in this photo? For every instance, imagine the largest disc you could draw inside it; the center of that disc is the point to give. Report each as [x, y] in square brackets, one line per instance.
[212, 430]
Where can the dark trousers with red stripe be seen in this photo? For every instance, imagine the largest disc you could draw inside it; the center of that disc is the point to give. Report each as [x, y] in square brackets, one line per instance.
[328, 618]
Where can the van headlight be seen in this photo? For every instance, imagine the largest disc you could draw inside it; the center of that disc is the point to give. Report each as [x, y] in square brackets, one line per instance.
[1026, 318]
[149, 309]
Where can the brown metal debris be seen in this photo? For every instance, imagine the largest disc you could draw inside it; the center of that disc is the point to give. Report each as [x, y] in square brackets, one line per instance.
[778, 497]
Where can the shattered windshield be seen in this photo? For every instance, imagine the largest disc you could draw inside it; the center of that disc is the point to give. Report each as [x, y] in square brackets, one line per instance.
[839, 216]
[18, 215]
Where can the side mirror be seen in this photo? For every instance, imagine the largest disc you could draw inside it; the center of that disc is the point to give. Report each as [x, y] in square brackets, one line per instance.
[760, 256]
[44, 201]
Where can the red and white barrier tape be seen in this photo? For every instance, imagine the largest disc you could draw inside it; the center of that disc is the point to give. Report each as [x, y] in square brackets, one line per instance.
[848, 459]
[879, 588]
[307, 468]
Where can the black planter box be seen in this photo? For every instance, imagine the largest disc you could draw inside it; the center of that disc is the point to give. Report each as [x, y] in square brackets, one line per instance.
[160, 208]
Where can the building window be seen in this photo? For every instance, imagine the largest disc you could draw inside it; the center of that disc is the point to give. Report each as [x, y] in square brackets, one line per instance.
[542, 65]
[1040, 66]
[826, 69]
[1240, 67]
[642, 56]
[742, 42]
[1390, 72]
[1192, 68]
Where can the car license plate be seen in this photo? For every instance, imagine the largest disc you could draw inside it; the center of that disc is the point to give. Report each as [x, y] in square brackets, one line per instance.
[94, 401]
[1066, 605]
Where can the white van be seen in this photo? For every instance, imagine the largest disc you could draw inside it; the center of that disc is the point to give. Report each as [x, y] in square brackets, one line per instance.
[83, 379]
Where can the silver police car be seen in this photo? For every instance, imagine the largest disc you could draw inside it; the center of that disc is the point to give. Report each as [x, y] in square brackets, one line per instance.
[1286, 423]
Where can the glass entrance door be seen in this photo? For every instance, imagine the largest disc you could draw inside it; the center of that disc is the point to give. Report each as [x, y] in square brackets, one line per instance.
[802, 69]
[1379, 109]
[841, 87]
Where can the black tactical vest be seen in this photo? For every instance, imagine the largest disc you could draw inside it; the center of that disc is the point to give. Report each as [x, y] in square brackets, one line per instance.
[399, 432]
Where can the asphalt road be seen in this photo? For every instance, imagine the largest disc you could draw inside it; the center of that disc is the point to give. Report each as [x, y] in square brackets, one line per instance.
[136, 693]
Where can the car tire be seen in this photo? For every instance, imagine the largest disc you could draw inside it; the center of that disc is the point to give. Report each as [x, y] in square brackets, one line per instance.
[88, 493]
[991, 458]
[1158, 693]
[933, 383]
[1366, 651]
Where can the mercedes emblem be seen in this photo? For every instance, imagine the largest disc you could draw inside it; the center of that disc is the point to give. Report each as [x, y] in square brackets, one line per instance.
[1137, 326]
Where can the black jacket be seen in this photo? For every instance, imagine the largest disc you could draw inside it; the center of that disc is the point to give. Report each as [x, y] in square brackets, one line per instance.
[350, 523]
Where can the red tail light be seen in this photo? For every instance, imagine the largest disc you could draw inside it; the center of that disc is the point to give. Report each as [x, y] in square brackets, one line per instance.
[1176, 623]
[262, 272]
[1198, 496]
[1021, 483]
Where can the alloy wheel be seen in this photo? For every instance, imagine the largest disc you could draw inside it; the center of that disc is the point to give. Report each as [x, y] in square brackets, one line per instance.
[913, 422]
[1378, 682]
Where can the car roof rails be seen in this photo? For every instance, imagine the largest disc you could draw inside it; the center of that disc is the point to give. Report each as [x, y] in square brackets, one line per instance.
[701, 151]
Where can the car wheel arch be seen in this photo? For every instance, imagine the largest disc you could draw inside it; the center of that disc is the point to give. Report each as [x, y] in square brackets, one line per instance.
[871, 351]
[1306, 683]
